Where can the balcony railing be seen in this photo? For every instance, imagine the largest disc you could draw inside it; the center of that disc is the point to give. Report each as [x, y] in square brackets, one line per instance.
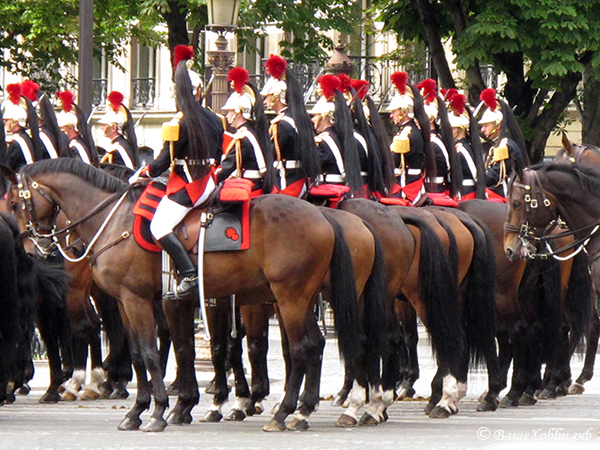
[143, 92]
[99, 86]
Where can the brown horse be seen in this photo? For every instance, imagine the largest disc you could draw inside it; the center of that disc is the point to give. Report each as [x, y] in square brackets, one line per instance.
[293, 247]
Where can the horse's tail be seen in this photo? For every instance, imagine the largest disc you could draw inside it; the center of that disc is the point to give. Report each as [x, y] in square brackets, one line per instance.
[10, 300]
[439, 294]
[374, 317]
[344, 298]
[51, 281]
[479, 310]
[578, 300]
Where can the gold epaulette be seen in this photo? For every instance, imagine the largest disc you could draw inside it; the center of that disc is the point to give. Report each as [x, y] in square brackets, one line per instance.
[500, 152]
[319, 138]
[223, 120]
[170, 130]
[240, 134]
[401, 142]
[278, 118]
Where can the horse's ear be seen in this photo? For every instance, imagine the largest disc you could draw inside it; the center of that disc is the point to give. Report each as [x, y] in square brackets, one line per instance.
[566, 143]
[8, 173]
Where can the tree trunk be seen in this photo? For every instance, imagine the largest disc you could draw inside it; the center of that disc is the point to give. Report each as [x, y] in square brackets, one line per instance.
[547, 120]
[434, 41]
[459, 20]
[177, 26]
[590, 129]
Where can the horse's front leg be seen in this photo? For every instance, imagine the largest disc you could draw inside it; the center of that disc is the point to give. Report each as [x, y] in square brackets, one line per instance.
[140, 324]
[180, 316]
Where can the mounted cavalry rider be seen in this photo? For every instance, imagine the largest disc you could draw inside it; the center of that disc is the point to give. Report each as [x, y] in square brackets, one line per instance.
[291, 132]
[73, 123]
[340, 162]
[19, 114]
[117, 126]
[448, 175]
[191, 178]
[467, 144]
[247, 156]
[53, 139]
[410, 146]
[507, 154]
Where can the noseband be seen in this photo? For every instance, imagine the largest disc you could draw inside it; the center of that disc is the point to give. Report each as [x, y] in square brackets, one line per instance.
[527, 234]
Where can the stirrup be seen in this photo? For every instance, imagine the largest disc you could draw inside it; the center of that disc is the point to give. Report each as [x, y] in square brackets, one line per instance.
[186, 286]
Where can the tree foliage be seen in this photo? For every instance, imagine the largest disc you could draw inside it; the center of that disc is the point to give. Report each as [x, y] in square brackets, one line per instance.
[542, 46]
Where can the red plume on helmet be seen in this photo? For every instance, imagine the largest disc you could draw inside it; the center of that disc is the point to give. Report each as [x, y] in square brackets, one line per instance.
[115, 98]
[488, 96]
[276, 66]
[182, 52]
[457, 103]
[67, 100]
[449, 93]
[30, 90]
[14, 92]
[399, 79]
[346, 82]
[361, 87]
[329, 84]
[238, 77]
[428, 88]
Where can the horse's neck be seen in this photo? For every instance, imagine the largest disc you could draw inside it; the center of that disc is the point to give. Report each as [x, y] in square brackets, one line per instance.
[76, 199]
[579, 209]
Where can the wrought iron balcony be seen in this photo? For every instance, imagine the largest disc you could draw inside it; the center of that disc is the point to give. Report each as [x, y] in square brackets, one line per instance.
[143, 92]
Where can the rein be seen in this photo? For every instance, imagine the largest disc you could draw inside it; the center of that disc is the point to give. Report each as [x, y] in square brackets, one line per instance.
[32, 228]
[527, 235]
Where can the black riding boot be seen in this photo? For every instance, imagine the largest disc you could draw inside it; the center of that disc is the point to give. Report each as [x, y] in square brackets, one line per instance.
[183, 263]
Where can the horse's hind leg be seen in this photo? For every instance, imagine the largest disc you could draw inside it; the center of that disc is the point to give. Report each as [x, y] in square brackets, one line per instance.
[590, 353]
[313, 349]
[180, 316]
[139, 320]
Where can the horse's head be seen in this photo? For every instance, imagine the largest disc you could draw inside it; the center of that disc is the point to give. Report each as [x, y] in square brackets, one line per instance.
[571, 153]
[36, 212]
[531, 214]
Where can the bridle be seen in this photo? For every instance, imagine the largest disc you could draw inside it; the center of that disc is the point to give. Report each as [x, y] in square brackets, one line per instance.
[530, 238]
[46, 237]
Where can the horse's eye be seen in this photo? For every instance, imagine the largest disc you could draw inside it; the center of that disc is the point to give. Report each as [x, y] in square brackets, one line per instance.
[13, 207]
[516, 204]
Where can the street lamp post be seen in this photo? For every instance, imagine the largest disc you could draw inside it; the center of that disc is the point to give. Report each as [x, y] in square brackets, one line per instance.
[222, 18]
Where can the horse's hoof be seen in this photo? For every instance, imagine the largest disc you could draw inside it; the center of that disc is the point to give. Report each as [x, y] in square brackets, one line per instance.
[338, 400]
[155, 425]
[561, 391]
[527, 400]
[50, 398]
[67, 396]
[439, 413]
[275, 408]
[487, 405]
[346, 421]
[179, 418]
[24, 390]
[430, 406]
[235, 415]
[212, 416]
[259, 408]
[298, 425]
[173, 390]
[119, 394]
[61, 389]
[482, 396]
[403, 393]
[576, 389]
[274, 425]
[128, 424]
[104, 394]
[507, 402]
[367, 419]
[547, 394]
[88, 394]
[384, 416]
[210, 389]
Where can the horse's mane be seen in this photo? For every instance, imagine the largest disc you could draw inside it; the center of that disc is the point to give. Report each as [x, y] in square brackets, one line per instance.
[587, 177]
[73, 166]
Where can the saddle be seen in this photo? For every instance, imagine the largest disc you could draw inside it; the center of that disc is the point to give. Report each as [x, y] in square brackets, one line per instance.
[329, 195]
[227, 218]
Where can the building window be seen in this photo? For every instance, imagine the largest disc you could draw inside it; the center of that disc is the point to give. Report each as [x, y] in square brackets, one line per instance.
[143, 81]
[100, 80]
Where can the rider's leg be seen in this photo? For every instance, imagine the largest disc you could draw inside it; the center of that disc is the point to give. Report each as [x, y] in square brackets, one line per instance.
[168, 215]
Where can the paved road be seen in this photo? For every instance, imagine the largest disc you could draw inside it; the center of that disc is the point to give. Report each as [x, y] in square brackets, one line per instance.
[563, 423]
